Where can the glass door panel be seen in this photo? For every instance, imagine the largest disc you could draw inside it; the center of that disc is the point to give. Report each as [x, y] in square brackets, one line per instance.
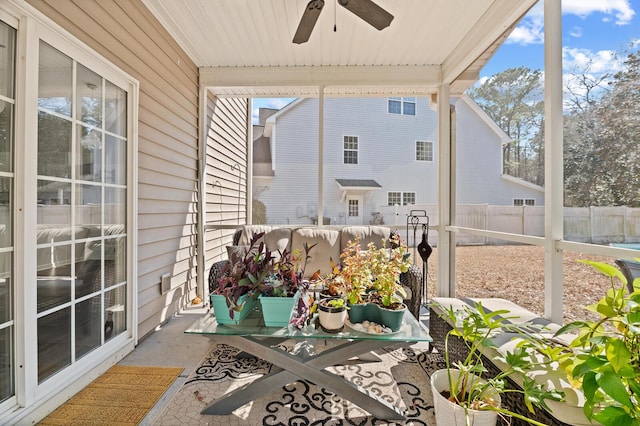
[81, 211]
[7, 131]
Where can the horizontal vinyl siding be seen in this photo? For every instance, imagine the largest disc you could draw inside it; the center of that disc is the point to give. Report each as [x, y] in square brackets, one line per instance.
[127, 34]
[226, 188]
[386, 154]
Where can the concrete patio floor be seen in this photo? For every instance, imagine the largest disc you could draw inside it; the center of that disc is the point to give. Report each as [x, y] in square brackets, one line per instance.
[168, 346]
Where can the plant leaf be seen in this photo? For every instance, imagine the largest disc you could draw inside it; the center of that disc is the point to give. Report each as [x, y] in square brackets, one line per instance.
[613, 416]
[613, 386]
[617, 353]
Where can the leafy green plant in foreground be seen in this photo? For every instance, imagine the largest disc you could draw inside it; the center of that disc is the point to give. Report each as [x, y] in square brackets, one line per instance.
[476, 327]
[605, 357]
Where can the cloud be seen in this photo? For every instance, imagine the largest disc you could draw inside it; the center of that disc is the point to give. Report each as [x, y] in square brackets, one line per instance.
[575, 32]
[618, 11]
[531, 28]
[580, 60]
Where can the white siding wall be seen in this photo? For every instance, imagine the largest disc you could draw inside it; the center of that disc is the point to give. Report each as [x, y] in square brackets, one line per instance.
[128, 35]
[479, 164]
[226, 173]
[386, 154]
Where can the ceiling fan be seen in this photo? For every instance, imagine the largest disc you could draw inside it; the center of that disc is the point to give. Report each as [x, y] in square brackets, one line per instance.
[366, 10]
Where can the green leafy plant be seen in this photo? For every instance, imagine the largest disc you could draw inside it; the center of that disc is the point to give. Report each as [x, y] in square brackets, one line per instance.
[335, 303]
[287, 274]
[355, 271]
[604, 360]
[476, 326]
[387, 263]
[244, 274]
[371, 275]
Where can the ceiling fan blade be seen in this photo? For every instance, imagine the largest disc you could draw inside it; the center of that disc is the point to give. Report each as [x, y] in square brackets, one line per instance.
[369, 12]
[308, 21]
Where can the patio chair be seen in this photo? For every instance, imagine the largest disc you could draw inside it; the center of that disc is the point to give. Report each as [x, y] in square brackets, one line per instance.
[630, 269]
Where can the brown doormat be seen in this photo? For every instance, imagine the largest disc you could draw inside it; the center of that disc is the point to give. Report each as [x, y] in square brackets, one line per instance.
[123, 395]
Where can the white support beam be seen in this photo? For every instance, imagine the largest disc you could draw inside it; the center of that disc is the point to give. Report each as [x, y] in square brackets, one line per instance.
[320, 156]
[318, 77]
[446, 269]
[202, 189]
[553, 134]
[249, 161]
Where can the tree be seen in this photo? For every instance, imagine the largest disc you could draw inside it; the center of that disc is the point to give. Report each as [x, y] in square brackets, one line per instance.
[602, 140]
[513, 99]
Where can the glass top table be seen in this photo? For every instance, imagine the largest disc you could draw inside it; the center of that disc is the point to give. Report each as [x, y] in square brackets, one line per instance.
[253, 337]
[411, 330]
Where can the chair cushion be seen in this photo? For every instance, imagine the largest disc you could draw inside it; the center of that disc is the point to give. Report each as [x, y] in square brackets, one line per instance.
[367, 234]
[328, 246]
[278, 239]
[249, 230]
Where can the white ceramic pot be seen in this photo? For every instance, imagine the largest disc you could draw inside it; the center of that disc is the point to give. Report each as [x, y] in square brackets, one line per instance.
[331, 319]
[451, 414]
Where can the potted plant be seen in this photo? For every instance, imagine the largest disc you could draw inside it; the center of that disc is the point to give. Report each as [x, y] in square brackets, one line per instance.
[604, 360]
[237, 288]
[284, 285]
[332, 312]
[371, 281]
[386, 266]
[355, 272]
[333, 284]
[461, 396]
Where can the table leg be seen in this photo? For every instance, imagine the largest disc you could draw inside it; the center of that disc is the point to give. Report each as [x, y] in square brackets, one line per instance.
[305, 367]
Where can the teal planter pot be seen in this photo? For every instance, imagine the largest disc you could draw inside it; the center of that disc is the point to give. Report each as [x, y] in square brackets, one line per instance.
[276, 311]
[221, 310]
[358, 312]
[375, 313]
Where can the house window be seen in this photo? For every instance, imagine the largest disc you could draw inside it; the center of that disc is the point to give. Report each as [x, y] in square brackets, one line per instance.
[401, 198]
[524, 202]
[408, 198]
[404, 106]
[354, 208]
[424, 151]
[82, 200]
[394, 198]
[350, 149]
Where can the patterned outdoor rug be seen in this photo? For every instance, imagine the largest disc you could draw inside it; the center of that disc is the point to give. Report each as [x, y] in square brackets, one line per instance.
[401, 378]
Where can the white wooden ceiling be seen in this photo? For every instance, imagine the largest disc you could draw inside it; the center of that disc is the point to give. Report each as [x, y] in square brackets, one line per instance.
[244, 47]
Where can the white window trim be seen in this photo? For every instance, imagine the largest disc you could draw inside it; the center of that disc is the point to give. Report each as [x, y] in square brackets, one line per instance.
[357, 151]
[415, 105]
[524, 202]
[33, 26]
[402, 103]
[402, 197]
[394, 192]
[433, 152]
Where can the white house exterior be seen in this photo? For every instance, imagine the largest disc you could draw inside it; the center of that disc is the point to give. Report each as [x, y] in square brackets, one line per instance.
[362, 175]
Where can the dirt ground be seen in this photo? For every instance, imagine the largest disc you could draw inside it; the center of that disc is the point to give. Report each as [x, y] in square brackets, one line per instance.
[516, 273]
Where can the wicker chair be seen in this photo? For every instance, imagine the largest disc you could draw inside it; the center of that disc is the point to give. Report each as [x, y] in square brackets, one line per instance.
[458, 351]
[630, 269]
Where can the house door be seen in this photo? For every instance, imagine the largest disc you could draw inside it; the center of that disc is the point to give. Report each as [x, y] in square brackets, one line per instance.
[354, 210]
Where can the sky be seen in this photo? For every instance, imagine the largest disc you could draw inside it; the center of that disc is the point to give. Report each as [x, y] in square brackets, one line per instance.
[593, 31]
